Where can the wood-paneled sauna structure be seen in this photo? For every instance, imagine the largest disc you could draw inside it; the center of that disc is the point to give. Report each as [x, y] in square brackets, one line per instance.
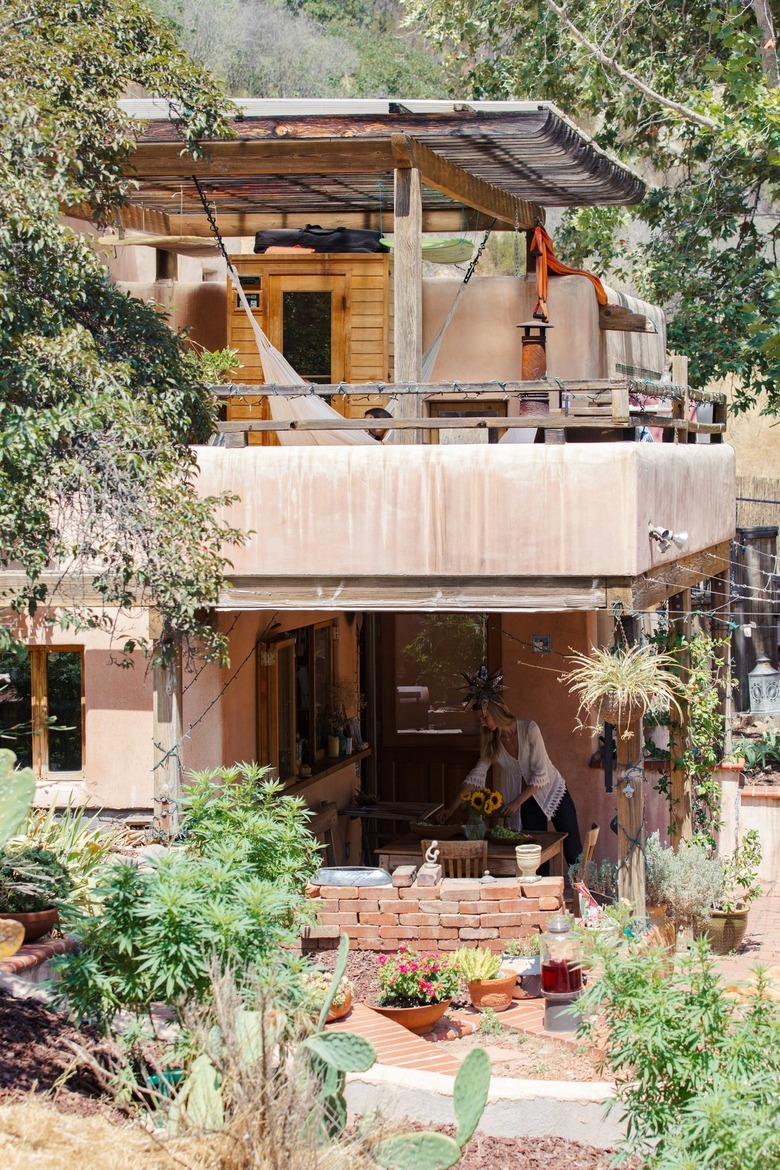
[519, 551]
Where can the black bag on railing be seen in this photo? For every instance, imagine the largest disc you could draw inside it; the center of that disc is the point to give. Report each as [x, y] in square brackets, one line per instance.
[320, 239]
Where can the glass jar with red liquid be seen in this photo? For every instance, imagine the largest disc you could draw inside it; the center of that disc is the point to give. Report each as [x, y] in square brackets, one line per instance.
[561, 955]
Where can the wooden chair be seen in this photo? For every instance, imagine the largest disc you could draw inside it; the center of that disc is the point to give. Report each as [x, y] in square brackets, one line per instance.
[460, 859]
[589, 846]
[588, 849]
[321, 826]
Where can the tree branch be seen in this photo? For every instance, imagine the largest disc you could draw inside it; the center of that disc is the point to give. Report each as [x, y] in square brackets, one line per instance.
[766, 24]
[684, 111]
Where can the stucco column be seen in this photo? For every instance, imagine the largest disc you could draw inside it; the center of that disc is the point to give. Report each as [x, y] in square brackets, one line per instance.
[166, 735]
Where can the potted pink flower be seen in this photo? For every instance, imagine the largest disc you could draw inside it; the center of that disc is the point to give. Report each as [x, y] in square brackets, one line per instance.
[415, 990]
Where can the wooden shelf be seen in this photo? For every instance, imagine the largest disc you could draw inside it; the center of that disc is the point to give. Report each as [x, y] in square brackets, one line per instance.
[328, 769]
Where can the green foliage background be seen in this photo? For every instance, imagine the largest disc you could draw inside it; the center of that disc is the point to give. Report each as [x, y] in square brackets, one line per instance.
[98, 402]
[688, 93]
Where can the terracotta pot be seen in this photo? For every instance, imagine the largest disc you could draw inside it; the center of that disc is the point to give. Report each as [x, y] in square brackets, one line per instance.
[36, 923]
[494, 993]
[727, 930]
[417, 1019]
[337, 1013]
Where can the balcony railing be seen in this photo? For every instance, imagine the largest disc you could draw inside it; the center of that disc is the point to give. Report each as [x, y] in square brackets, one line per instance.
[553, 407]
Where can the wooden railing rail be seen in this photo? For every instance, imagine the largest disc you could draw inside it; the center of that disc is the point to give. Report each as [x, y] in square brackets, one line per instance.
[593, 404]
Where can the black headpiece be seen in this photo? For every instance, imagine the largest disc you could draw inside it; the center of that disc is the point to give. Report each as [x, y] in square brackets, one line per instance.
[482, 688]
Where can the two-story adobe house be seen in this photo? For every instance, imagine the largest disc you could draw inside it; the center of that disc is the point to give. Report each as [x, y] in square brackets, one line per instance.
[508, 519]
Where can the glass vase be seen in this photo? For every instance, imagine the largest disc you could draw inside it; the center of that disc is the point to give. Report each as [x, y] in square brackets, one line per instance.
[475, 829]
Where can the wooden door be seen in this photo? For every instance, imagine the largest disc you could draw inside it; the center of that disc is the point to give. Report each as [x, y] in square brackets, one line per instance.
[307, 322]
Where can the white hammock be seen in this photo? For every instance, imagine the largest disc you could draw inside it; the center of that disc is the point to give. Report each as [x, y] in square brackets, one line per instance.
[277, 370]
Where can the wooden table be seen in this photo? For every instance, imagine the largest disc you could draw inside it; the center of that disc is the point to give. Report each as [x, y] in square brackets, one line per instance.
[501, 858]
[385, 810]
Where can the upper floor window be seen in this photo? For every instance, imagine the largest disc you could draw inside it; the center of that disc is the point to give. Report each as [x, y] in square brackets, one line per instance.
[42, 708]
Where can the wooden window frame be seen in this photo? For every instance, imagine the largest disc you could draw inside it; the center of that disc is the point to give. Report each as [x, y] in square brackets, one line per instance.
[39, 710]
[485, 408]
[269, 699]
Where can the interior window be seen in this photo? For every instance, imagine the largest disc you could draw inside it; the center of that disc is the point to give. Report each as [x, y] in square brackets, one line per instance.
[431, 650]
[306, 334]
[41, 709]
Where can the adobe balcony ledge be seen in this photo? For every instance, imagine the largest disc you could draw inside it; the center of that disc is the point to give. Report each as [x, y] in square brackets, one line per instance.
[330, 521]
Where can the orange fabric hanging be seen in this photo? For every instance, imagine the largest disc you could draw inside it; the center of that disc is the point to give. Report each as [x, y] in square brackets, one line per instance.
[546, 260]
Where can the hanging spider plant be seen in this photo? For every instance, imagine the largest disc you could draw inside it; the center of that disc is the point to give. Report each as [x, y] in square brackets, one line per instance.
[621, 685]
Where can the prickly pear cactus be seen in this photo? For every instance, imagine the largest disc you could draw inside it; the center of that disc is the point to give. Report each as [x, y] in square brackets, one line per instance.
[17, 789]
[436, 1151]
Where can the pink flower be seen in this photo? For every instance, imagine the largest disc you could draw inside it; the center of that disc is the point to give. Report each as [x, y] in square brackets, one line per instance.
[413, 966]
[382, 960]
[402, 967]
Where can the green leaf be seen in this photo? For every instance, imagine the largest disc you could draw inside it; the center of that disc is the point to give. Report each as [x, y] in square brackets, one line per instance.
[470, 1094]
[338, 974]
[417, 1151]
[344, 1050]
[205, 1108]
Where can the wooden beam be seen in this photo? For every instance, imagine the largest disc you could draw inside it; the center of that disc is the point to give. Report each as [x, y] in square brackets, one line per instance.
[464, 187]
[658, 584]
[167, 736]
[236, 159]
[411, 420]
[407, 286]
[426, 594]
[618, 319]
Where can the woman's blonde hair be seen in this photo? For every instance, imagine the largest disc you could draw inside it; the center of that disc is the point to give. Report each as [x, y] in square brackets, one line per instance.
[490, 741]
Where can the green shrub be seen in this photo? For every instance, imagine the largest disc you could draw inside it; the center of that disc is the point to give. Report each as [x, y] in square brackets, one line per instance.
[79, 842]
[32, 879]
[242, 801]
[696, 1073]
[164, 927]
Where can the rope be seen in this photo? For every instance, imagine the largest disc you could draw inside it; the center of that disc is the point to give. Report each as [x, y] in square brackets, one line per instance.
[432, 353]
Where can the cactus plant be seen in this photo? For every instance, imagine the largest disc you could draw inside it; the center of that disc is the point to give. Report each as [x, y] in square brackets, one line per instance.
[17, 789]
[477, 964]
[436, 1151]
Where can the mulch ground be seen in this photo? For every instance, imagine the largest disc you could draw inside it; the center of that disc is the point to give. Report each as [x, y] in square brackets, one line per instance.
[35, 1056]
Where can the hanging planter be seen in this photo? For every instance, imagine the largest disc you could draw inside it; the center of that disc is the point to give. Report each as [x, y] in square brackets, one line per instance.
[621, 685]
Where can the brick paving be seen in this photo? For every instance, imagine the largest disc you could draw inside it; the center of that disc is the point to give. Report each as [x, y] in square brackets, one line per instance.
[400, 1048]
[762, 941]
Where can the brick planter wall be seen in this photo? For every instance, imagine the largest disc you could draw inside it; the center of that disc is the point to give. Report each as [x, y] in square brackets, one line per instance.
[454, 913]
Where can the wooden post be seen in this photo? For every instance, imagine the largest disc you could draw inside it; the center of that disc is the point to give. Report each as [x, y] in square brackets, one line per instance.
[681, 406]
[166, 734]
[680, 795]
[631, 816]
[407, 229]
[720, 596]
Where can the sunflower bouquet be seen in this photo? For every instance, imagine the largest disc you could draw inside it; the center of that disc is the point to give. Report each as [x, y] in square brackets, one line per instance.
[480, 803]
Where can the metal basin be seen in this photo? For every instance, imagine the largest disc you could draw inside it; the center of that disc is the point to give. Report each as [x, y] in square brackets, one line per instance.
[352, 875]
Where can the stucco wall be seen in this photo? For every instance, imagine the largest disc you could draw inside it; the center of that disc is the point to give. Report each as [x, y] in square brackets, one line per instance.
[534, 691]
[118, 756]
[520, 510]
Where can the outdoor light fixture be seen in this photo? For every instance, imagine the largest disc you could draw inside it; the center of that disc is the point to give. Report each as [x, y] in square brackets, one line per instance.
[666, 537]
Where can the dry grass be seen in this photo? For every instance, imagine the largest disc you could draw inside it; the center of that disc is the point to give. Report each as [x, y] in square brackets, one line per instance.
[33, 1132]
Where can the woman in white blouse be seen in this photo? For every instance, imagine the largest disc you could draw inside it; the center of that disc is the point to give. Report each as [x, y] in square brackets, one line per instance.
[521, 771]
